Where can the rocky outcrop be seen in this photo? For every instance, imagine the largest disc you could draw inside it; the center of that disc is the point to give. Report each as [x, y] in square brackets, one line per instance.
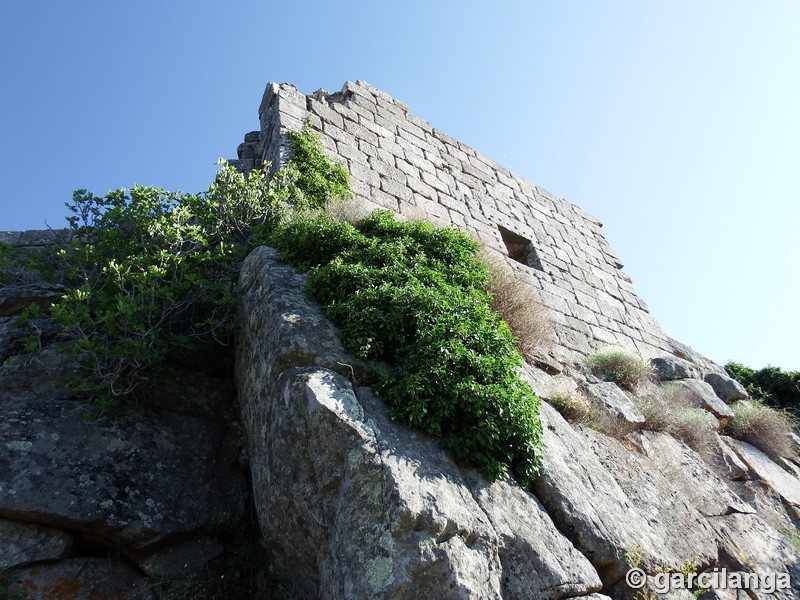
[668, 368]
[727, 388]
[122, 479]
[614, 401]
[353, 505]
[702, 395]
[141, 484]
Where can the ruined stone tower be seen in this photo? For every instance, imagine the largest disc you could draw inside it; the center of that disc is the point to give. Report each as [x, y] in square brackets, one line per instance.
[399, 162]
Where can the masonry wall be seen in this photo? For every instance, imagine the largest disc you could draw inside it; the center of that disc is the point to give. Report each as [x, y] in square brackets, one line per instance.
[398, 161]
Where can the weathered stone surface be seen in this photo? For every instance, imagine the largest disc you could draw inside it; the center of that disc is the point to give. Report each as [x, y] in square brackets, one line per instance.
[537, 561]
[354, 505]
[732, 466]
[614, 401]
[16, 298]
[24, 543]
[748, 544]
[701, 395]
[668, 368]
[772, 476]
[183, 559]
[379, 511]
[42, 374]
[726, 388]
[81, 579]
[132, 479]
[287, 321]
[607, 500]
[541, 383]
[689, 474]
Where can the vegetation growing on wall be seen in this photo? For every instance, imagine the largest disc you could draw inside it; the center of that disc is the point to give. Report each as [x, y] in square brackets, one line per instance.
[152, 274]
[415, 296]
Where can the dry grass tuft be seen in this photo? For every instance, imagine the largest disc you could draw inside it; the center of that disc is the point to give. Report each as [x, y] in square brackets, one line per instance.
[763, 427]
[600, 420]
[572, 404]
[346, 210]
[520, 307]
[670, 410]
[623, 367]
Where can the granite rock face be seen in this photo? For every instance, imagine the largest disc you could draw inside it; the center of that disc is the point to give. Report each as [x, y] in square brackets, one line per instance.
[122, 479]
[354, 505]
[728, 389]
[614, 401]
[701, 395]
[669, 368]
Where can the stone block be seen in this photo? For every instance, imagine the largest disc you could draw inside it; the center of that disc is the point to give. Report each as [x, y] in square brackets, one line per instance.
[726, 387]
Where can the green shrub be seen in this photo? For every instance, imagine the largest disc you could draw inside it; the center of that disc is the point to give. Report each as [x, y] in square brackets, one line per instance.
[761, 426]
[414, 295]
[152, 273]
[621, 366]
[317, 178]
[776, 388]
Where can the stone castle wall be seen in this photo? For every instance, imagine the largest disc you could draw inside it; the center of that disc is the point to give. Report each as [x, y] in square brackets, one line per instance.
[398, 161]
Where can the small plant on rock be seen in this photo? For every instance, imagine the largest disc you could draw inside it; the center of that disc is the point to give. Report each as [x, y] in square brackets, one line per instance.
[572, 404]
[765, 428]
[668, 409]
[621, 366]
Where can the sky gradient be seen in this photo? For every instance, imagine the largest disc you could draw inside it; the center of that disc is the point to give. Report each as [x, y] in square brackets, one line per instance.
[676, 124]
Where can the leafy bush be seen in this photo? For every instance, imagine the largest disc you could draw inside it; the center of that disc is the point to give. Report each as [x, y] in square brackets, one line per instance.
[761, 426]
[8, 259]
[152, 273]
[414, 295]
[621, 366]
[317, 178]
[776, 388]
[515, 300]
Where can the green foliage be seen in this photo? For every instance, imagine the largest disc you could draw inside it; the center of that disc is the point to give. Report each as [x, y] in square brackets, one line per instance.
[8, 260]
[414, 295]
[9, 590]
[152, 273]
[317, 178]
[621, 366]
[776, 388]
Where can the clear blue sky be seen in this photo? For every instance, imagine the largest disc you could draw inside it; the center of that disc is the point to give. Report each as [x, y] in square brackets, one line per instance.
[677, 123]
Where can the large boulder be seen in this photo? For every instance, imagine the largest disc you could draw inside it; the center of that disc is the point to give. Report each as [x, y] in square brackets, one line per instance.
[772, 476]
[131, 479]
[607, 500]
[669, 368]
[727, 388]
[353, 505]
[701, 395]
